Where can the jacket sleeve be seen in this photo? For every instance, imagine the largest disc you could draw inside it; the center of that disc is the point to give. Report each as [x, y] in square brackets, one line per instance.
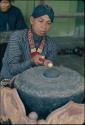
[51, 49]
[14, 55]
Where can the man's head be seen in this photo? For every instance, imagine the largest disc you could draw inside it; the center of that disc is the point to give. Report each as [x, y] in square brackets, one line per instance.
[41, 19]
[5, 5]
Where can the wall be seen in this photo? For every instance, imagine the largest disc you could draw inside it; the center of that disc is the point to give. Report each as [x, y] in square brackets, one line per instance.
[61, 26]
[79, 24]
[26, 7]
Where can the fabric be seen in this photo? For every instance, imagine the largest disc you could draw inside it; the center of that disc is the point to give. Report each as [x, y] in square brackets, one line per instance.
[12, 20]
[42, 10]
[17, 56]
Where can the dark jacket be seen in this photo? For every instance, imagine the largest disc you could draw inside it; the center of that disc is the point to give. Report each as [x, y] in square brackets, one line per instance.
[12, 20]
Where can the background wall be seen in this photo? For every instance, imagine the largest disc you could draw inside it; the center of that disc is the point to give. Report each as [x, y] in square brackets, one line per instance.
[66, 26]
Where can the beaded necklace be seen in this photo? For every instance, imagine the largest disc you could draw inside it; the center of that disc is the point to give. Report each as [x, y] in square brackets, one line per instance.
[35, 51]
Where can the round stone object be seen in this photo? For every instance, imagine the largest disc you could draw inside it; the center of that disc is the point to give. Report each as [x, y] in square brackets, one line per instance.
[43, 89]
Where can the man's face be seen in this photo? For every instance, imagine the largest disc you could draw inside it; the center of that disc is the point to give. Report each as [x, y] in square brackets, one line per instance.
[41, 25]
[4, 5]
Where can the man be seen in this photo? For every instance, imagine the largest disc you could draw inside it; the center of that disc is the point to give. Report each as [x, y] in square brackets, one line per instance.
[11, 17]
[29, 48]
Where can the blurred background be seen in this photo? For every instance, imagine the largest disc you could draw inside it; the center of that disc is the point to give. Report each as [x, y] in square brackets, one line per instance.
[69, 15]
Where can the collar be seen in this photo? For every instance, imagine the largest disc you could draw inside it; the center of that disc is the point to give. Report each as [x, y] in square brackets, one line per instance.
[36, 37]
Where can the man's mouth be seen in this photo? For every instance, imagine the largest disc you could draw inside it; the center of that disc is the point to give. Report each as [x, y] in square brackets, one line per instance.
[43, 32]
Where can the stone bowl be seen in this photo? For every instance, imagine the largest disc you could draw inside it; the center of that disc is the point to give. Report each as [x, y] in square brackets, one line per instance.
[44, 89]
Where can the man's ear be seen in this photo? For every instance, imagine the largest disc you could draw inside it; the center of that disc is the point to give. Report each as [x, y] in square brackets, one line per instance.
[31, 20]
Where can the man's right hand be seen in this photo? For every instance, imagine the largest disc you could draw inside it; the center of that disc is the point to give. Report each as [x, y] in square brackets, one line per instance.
[38, 59]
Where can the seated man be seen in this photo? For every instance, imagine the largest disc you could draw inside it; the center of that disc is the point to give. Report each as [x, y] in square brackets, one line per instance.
[29, 48]
[11, 17]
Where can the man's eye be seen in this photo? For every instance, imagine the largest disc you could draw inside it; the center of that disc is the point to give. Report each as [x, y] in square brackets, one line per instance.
[40, 20]
[49, 23]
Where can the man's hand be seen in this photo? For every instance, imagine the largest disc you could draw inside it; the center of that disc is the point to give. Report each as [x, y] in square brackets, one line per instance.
[48, 63]
[38, 59]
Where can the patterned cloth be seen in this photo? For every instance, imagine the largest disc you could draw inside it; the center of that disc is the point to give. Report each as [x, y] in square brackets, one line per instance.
[17, 56]
[42, 10]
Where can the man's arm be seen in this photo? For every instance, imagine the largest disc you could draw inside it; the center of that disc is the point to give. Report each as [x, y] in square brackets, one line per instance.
[14, 55]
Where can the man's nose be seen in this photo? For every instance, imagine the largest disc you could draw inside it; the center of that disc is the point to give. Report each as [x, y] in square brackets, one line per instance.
[44, 26]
